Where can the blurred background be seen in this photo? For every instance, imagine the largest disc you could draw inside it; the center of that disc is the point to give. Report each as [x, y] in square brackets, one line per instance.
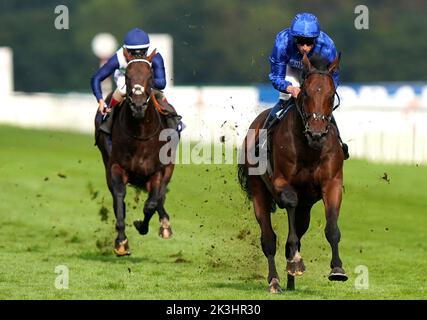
[217, 55]
[56, 210]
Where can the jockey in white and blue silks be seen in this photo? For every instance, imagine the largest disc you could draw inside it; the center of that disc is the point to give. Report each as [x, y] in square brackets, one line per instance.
[303, 36]
[136, 44]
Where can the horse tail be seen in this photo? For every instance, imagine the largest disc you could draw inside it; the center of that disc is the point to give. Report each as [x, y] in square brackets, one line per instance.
[242, 175]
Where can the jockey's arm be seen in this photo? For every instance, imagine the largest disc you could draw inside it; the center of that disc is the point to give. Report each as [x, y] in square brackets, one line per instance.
[278, 62]
[277, 78]
[104, 72]
[278, 74]
[159, 72]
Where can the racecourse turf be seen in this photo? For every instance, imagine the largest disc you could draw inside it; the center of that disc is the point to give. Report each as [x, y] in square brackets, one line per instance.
[55, 210]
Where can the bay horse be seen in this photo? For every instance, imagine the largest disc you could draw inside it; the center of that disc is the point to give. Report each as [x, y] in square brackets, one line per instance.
[132, 154]
[307, 166]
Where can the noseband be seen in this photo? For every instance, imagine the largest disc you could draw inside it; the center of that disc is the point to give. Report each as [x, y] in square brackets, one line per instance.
[137, 89]
[316, 116]
[140, 60]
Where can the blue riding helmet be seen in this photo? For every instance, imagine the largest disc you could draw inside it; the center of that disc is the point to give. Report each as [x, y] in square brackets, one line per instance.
[136, 39]
[305, 25]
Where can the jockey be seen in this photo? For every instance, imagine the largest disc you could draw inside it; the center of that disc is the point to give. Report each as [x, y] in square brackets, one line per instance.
[303, 36]
[136, 45]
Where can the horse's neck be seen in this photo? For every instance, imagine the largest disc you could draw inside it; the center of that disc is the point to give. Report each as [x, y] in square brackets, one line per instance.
[293, 125]
[144, 126]
[291, 132]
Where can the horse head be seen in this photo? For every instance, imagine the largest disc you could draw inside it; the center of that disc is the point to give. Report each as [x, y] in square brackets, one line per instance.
[139, 81]
[316, 98]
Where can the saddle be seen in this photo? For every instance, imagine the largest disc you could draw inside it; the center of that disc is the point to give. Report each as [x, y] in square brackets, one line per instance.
[286, 106]
[162, 106]
[107, 122]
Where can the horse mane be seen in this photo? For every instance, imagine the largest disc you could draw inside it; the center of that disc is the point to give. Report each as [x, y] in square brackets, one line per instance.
[319, 62]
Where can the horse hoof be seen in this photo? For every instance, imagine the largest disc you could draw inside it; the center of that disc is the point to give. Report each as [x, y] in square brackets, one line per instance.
[274, 286]
[122, 249]
[295, 268]
[338, 274]
[165, 233]
[141, 227]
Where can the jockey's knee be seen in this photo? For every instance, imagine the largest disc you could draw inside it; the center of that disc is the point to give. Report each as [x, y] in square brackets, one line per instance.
[119, 93]
[277, 107]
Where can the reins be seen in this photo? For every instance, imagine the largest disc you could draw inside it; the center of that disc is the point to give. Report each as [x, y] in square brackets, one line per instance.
[129, 102]
[123, 128]
[316, 116]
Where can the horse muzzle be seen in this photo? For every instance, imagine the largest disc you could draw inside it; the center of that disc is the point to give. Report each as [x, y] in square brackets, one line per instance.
[316, 139]
[138, 111]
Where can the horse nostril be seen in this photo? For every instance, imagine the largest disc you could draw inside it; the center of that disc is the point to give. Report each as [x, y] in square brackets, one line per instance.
[316, 135]
[142, 106]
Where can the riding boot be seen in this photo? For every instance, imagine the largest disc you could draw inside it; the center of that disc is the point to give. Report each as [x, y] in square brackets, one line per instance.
[344, 146]
[276, 113]
[173, 119]
[272, 119]
[107, 119]
[107, 122]
[272, 116]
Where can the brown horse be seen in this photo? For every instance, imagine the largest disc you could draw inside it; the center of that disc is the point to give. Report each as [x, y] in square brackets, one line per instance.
[132, 154]
[307, 166]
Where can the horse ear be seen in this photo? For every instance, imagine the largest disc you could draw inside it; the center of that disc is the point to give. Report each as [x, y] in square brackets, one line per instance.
[306, 63]
[335, 64]
[126, 54]
[151, 56]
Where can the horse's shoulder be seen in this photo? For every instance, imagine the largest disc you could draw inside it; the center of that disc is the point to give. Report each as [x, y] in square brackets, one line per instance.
[260, 119]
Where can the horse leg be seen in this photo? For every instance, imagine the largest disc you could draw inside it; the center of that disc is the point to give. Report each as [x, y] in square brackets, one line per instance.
[262, 207]
[332, 196]
[118, 190]
[295, 265]
[165, 230]
[102, 140]
[302, 221]
[289, 200]
[150, 205]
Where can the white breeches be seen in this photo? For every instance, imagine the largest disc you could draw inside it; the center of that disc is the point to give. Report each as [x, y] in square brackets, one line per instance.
[292, 75]
[120, 80]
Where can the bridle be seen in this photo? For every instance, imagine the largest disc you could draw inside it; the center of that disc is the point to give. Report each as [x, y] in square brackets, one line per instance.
[138, 89]
[316, 116]
[123, 127]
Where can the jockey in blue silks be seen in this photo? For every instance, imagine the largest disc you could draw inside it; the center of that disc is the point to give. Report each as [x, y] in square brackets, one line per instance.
[136, 46]
[303, 36]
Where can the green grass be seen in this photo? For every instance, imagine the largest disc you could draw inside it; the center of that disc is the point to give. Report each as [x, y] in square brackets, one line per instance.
[55, 209]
